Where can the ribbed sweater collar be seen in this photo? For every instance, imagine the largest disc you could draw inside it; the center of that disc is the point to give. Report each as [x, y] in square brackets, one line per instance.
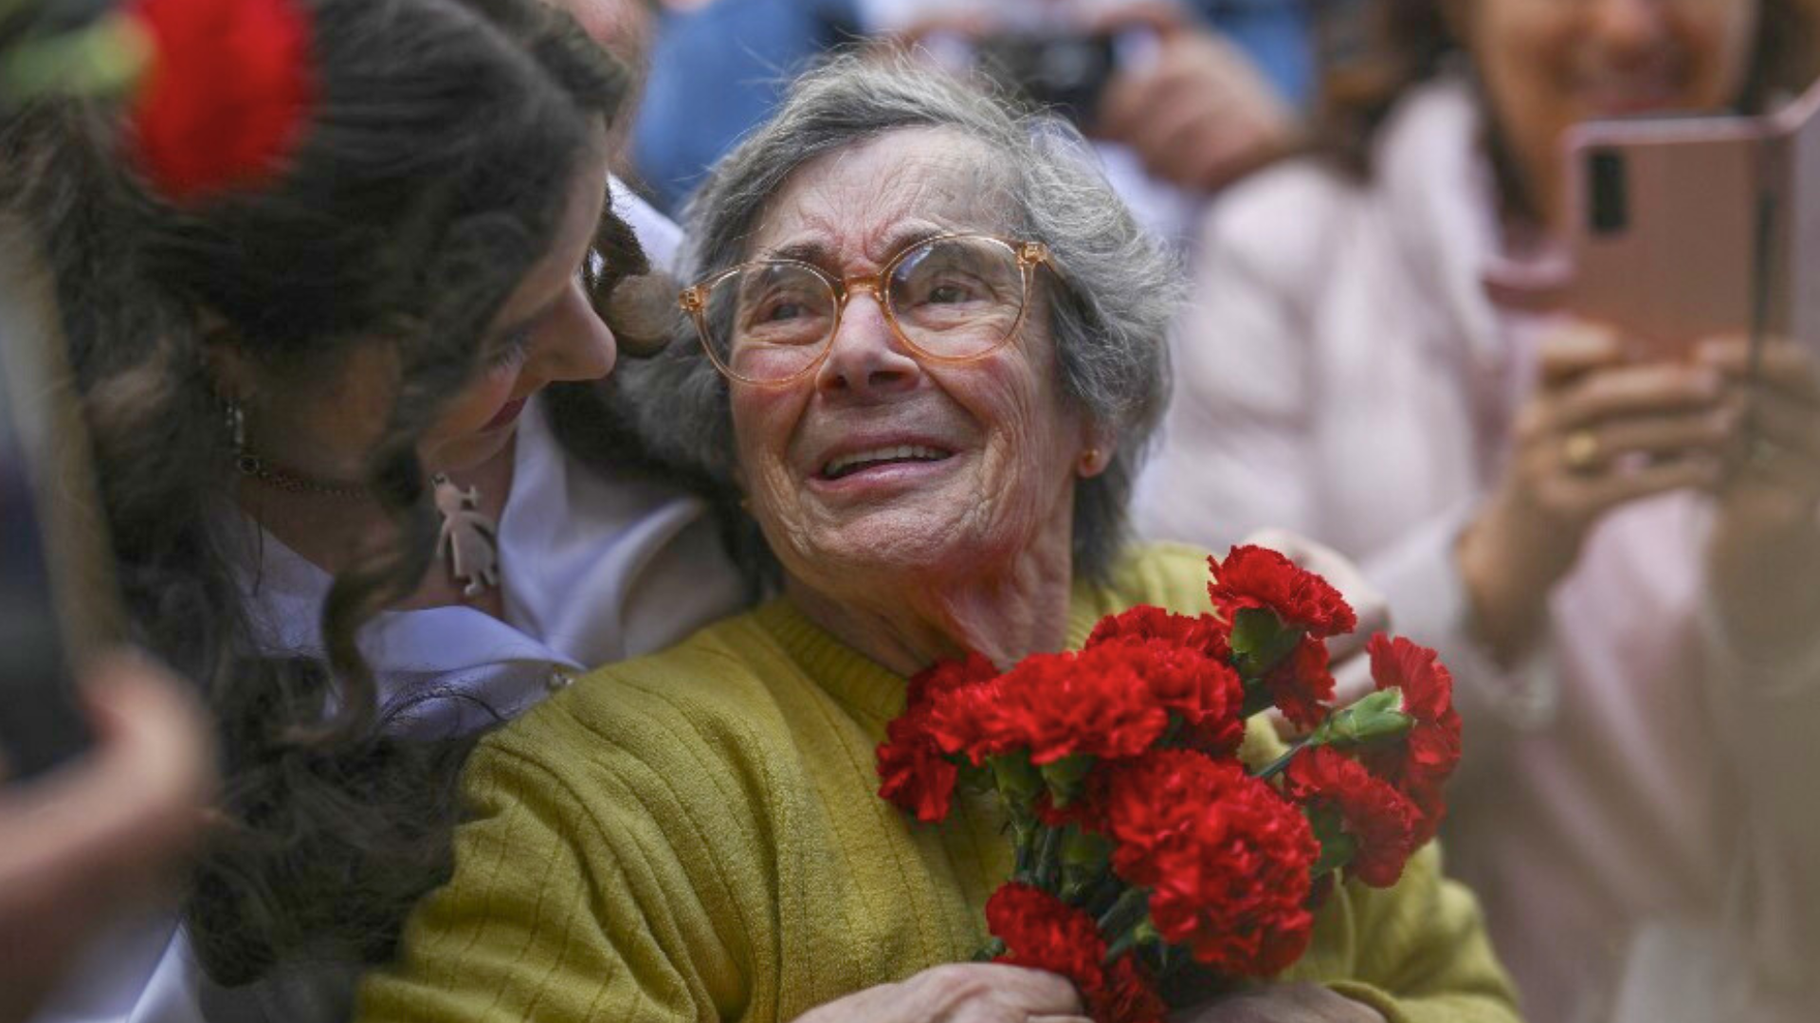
[864, 686]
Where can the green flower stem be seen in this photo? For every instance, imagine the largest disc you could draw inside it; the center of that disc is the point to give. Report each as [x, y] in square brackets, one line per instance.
[1024, 845]
[1120, 924]
[1280, 764]
[1049, 858]
[1139, 935]
[1100, 895]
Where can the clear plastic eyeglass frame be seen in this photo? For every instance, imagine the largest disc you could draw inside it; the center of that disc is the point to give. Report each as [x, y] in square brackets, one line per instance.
[694, 301]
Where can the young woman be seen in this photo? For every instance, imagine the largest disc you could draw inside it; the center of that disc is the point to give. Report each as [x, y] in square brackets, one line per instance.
[363, 482]
[1619, 560]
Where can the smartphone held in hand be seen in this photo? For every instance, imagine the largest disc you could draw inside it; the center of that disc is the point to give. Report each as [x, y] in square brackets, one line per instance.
[1691, 227]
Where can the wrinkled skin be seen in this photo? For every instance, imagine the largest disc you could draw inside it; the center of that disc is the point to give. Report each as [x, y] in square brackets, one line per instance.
[920, 561]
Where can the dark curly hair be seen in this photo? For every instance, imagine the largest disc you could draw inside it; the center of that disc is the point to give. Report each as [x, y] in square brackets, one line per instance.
[429, 180]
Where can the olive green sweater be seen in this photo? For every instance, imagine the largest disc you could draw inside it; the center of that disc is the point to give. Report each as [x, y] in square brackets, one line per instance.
[696, 835]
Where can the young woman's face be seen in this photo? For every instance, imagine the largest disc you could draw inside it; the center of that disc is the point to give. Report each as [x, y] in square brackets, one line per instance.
[1549, 64]
[545, 332]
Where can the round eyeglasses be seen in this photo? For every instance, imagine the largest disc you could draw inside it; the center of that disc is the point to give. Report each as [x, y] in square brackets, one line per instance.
[951, 298]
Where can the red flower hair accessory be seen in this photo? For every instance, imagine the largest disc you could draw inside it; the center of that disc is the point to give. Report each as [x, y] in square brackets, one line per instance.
[227, 93]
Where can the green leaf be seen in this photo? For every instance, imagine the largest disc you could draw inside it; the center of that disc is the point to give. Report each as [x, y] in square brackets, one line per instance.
[102, 59]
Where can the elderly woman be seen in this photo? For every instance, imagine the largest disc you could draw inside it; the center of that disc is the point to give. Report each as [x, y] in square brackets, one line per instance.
[933, 353]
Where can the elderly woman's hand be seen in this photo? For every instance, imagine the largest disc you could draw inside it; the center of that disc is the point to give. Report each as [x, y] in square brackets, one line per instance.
[1765, 551]
[960, 993]
[1599, 433]
[1282, 1003]
[1351, 668]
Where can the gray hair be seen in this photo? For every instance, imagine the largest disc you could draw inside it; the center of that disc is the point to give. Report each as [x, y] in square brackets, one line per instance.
[1119, 287]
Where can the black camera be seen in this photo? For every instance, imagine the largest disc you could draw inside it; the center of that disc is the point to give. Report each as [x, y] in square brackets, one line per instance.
[1066, 73]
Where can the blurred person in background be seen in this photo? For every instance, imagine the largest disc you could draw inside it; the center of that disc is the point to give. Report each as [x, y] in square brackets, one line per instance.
[108, 830]
[1623, 575]
[364, 484]
[1201, 92]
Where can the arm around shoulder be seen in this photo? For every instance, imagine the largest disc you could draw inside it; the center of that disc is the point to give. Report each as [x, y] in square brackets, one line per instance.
[559, 907]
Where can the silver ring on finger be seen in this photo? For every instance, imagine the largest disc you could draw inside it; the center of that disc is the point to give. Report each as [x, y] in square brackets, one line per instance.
[1580, 451]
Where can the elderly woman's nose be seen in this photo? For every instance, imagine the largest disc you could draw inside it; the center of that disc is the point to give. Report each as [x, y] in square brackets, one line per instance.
[865, 354]
[577, 345]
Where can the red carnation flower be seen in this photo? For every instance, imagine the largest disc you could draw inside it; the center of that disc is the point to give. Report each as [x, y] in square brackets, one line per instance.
[914, 774]
[1096, 703]
[226, 95]
[1261, 577]
[1301, 685]
[1042, 932]
[1205, 692]
[1380, 820]
[1203, 633]
[1226, 857]
[1421, 764]
[1129, 995]
[944, 677]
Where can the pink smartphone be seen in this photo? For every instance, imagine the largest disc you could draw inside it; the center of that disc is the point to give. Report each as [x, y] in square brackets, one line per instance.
[1687, 227]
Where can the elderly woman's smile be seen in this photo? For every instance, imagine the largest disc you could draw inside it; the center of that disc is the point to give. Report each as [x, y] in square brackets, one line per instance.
[880, 458]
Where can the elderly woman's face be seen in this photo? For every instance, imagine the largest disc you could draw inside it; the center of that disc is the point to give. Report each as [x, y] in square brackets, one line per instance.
[1549, 64]
[960, 466]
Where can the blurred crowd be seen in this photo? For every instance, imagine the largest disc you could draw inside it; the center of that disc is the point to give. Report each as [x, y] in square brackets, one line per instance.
[1361, 216]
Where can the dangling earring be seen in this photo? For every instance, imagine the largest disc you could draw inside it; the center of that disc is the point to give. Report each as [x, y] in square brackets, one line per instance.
[1090, 461]
[234, 418]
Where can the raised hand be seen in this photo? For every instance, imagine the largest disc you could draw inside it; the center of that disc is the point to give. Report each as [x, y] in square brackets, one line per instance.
[1598, 433]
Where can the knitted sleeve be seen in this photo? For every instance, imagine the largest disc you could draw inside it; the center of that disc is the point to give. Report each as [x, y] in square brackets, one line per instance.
[1421, 953]
[554, 913]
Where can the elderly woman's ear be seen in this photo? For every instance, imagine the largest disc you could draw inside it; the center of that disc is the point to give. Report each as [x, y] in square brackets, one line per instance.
[1096, 452]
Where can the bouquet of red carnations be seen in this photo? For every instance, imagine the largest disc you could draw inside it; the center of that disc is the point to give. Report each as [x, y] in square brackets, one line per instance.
[1145, 848]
